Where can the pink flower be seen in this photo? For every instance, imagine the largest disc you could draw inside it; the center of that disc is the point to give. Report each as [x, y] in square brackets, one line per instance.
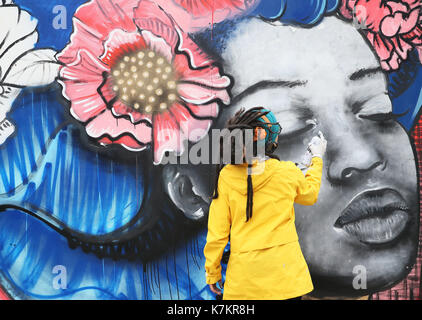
[392, 27]
[203, 7]
[134, 78]
[193, 15]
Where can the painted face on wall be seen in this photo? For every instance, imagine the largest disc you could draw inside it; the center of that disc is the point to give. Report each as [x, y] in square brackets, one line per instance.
[327, 78]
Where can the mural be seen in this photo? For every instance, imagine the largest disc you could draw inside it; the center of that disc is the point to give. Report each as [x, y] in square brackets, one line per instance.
[107, 105]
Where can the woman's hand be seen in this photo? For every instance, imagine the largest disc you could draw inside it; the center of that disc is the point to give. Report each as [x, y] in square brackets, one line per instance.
[318, 145]
[215, 289]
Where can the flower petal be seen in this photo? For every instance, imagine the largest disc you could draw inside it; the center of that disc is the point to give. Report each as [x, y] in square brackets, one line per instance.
[105, 16]
[345, 8]
[209, 76]
[401, 47]
[194, 15]
[106, 91]
[94, 21]
[198, 58]
[86, 67]
[394, 61]
[167, 136]
[6, 2]
[414, 37]
[127, 142]
[158, 45]
[201, 8]
[34, 68]
[196, 94]
[204, 111]
[399, 23]
[19, 36]
[192, 128]
[83, 37]
[7, 128]
[106, 125]
[150, 17]
[382, 46]
[7, 96]
[119, 109]
[80, 81]
[397, 6]
[120, 42]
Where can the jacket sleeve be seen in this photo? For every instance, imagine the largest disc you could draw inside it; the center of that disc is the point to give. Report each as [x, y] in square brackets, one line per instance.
[219, 223]
[308, 185]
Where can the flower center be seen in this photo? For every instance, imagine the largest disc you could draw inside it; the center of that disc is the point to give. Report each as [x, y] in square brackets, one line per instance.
[145, 81]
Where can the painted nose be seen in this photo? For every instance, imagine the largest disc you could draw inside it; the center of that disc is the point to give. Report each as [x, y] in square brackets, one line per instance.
[350, 157]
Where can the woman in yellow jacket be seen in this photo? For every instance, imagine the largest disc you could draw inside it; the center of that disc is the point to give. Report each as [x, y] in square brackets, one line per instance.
[266, 261]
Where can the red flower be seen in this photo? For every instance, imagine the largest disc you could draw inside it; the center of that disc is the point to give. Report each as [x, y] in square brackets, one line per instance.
[392, 27]
[133, 77]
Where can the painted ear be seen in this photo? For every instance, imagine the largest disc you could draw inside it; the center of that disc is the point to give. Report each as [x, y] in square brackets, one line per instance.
[259, 134]
[180, 189]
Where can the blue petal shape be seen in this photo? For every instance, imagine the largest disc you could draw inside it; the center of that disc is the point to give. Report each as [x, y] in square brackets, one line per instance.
[302, 12]
[29, 251]
[46, 169]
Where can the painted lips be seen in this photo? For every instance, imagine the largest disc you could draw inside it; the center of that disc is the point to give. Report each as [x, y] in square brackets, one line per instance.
[375, 216]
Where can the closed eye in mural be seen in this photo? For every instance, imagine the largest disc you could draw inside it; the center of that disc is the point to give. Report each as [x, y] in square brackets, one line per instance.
[81, 184]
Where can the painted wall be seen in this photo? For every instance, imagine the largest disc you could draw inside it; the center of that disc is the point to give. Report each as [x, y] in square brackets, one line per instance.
[96, 96]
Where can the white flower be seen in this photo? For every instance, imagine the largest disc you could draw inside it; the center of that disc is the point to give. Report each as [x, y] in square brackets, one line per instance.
[20, 64]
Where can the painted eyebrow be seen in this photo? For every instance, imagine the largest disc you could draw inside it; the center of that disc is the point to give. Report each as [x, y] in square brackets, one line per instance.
[266, 84]
[360, 74]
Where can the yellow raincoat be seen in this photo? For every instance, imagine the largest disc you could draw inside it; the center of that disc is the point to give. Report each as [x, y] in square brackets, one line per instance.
[266, 261]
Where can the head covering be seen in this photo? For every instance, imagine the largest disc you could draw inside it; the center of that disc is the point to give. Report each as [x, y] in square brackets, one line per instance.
[271, 126]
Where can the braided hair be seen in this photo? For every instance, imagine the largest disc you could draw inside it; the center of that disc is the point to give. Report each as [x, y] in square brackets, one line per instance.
[253, 118]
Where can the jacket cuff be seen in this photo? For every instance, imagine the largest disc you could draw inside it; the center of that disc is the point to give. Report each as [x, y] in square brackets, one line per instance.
[211, 279]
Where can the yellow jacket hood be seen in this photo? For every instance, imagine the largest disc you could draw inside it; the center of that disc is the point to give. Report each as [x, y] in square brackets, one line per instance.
[261, 173]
